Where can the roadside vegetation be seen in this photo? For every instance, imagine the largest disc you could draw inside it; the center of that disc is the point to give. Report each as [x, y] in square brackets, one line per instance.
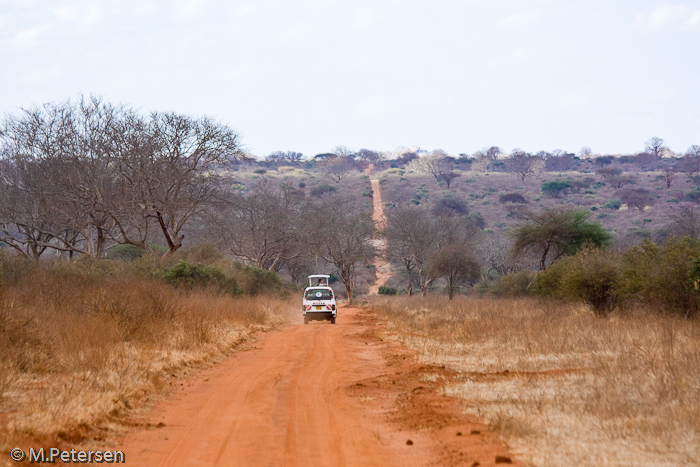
[85, 343]
[561, 385]
[133, 246]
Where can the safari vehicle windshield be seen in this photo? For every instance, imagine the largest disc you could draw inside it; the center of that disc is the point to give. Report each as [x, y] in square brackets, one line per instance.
[318, 294]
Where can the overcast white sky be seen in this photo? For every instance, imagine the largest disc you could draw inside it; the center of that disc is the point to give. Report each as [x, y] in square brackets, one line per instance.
[309, 75]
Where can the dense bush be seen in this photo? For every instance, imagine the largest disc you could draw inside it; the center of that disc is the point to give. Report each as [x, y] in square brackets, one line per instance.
[512, 285]
[556, 188]
[190, 276]
[449, 207]
[475, 219]
[613, 204]
[383, 290]
[512, 198]
[322, 189]
[592, 275]
[693, 196]
[255, 281]
[662, 276]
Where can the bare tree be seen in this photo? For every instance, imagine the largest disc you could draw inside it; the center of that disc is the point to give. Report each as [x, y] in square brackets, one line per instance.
[337, 168]
[437, 164]
[647, 160]
[638, 198]
[685, 222]
[344, 235]
[265, 225]
[370, 157]
[656, 146]
[523, 164]
[60, 158]
[411, 241]
[104, 173]
[560, 161]
[179, 180]
[456, 264]
[668, 176]
[690, 164]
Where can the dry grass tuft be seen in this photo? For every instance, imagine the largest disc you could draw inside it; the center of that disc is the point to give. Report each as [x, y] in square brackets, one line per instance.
[561, 385]
[78, 351]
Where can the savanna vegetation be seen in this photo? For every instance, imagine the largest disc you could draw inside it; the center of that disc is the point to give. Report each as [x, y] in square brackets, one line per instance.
[134, 246]
[561, 385]
[84, 342]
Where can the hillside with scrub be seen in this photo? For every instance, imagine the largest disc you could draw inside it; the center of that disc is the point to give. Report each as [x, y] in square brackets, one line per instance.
[555, 295]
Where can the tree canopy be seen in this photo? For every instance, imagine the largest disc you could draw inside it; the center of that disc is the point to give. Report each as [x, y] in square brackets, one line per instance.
[556, 232]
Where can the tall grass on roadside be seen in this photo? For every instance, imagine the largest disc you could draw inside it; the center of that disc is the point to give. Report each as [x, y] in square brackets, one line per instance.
[563, 386]
[80, 346]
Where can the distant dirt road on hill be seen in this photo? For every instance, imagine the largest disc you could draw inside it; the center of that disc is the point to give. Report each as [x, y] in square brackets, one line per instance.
[314, 395]
[383, 266]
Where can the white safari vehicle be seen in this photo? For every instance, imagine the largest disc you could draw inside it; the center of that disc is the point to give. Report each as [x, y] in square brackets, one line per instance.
[319, 300]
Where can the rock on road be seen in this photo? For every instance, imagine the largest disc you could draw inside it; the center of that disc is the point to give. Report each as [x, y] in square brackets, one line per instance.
[317, 394]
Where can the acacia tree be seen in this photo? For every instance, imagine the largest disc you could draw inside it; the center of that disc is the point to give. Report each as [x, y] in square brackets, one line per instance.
[523, 164]
[437, 164]
[656, 146]
[556, 232]
[668, 176]
[103, 174]
[343, 235]
[59, 159]
[337, 167]
[412, 238]
[407, 242]
[448, 177]
[265, 225]
[22, 218]
[456, 264]
[638, 198]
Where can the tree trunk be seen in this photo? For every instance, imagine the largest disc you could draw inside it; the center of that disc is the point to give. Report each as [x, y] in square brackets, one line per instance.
[543, 261]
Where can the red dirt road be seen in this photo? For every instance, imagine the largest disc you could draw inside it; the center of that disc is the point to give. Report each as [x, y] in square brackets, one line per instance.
[317, 394]
[383, 270]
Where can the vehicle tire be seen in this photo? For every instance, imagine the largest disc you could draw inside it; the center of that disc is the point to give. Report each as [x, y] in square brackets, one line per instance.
[332, 320]
[306, 319]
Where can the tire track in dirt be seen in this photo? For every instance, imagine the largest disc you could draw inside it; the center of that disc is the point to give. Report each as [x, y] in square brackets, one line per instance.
[316, 394]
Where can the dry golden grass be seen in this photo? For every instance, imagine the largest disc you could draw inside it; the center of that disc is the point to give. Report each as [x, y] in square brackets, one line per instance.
[77, 351]
[562, 386]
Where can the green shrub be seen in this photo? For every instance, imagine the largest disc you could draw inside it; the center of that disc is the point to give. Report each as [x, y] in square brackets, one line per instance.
[387, 290]
[322, 189]
[693, 196]
[125, 252]
[662, 276]
[190, 276]
[613, 204]
[556, 188]
[255, 281]
[512, 285]
[592, 275]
